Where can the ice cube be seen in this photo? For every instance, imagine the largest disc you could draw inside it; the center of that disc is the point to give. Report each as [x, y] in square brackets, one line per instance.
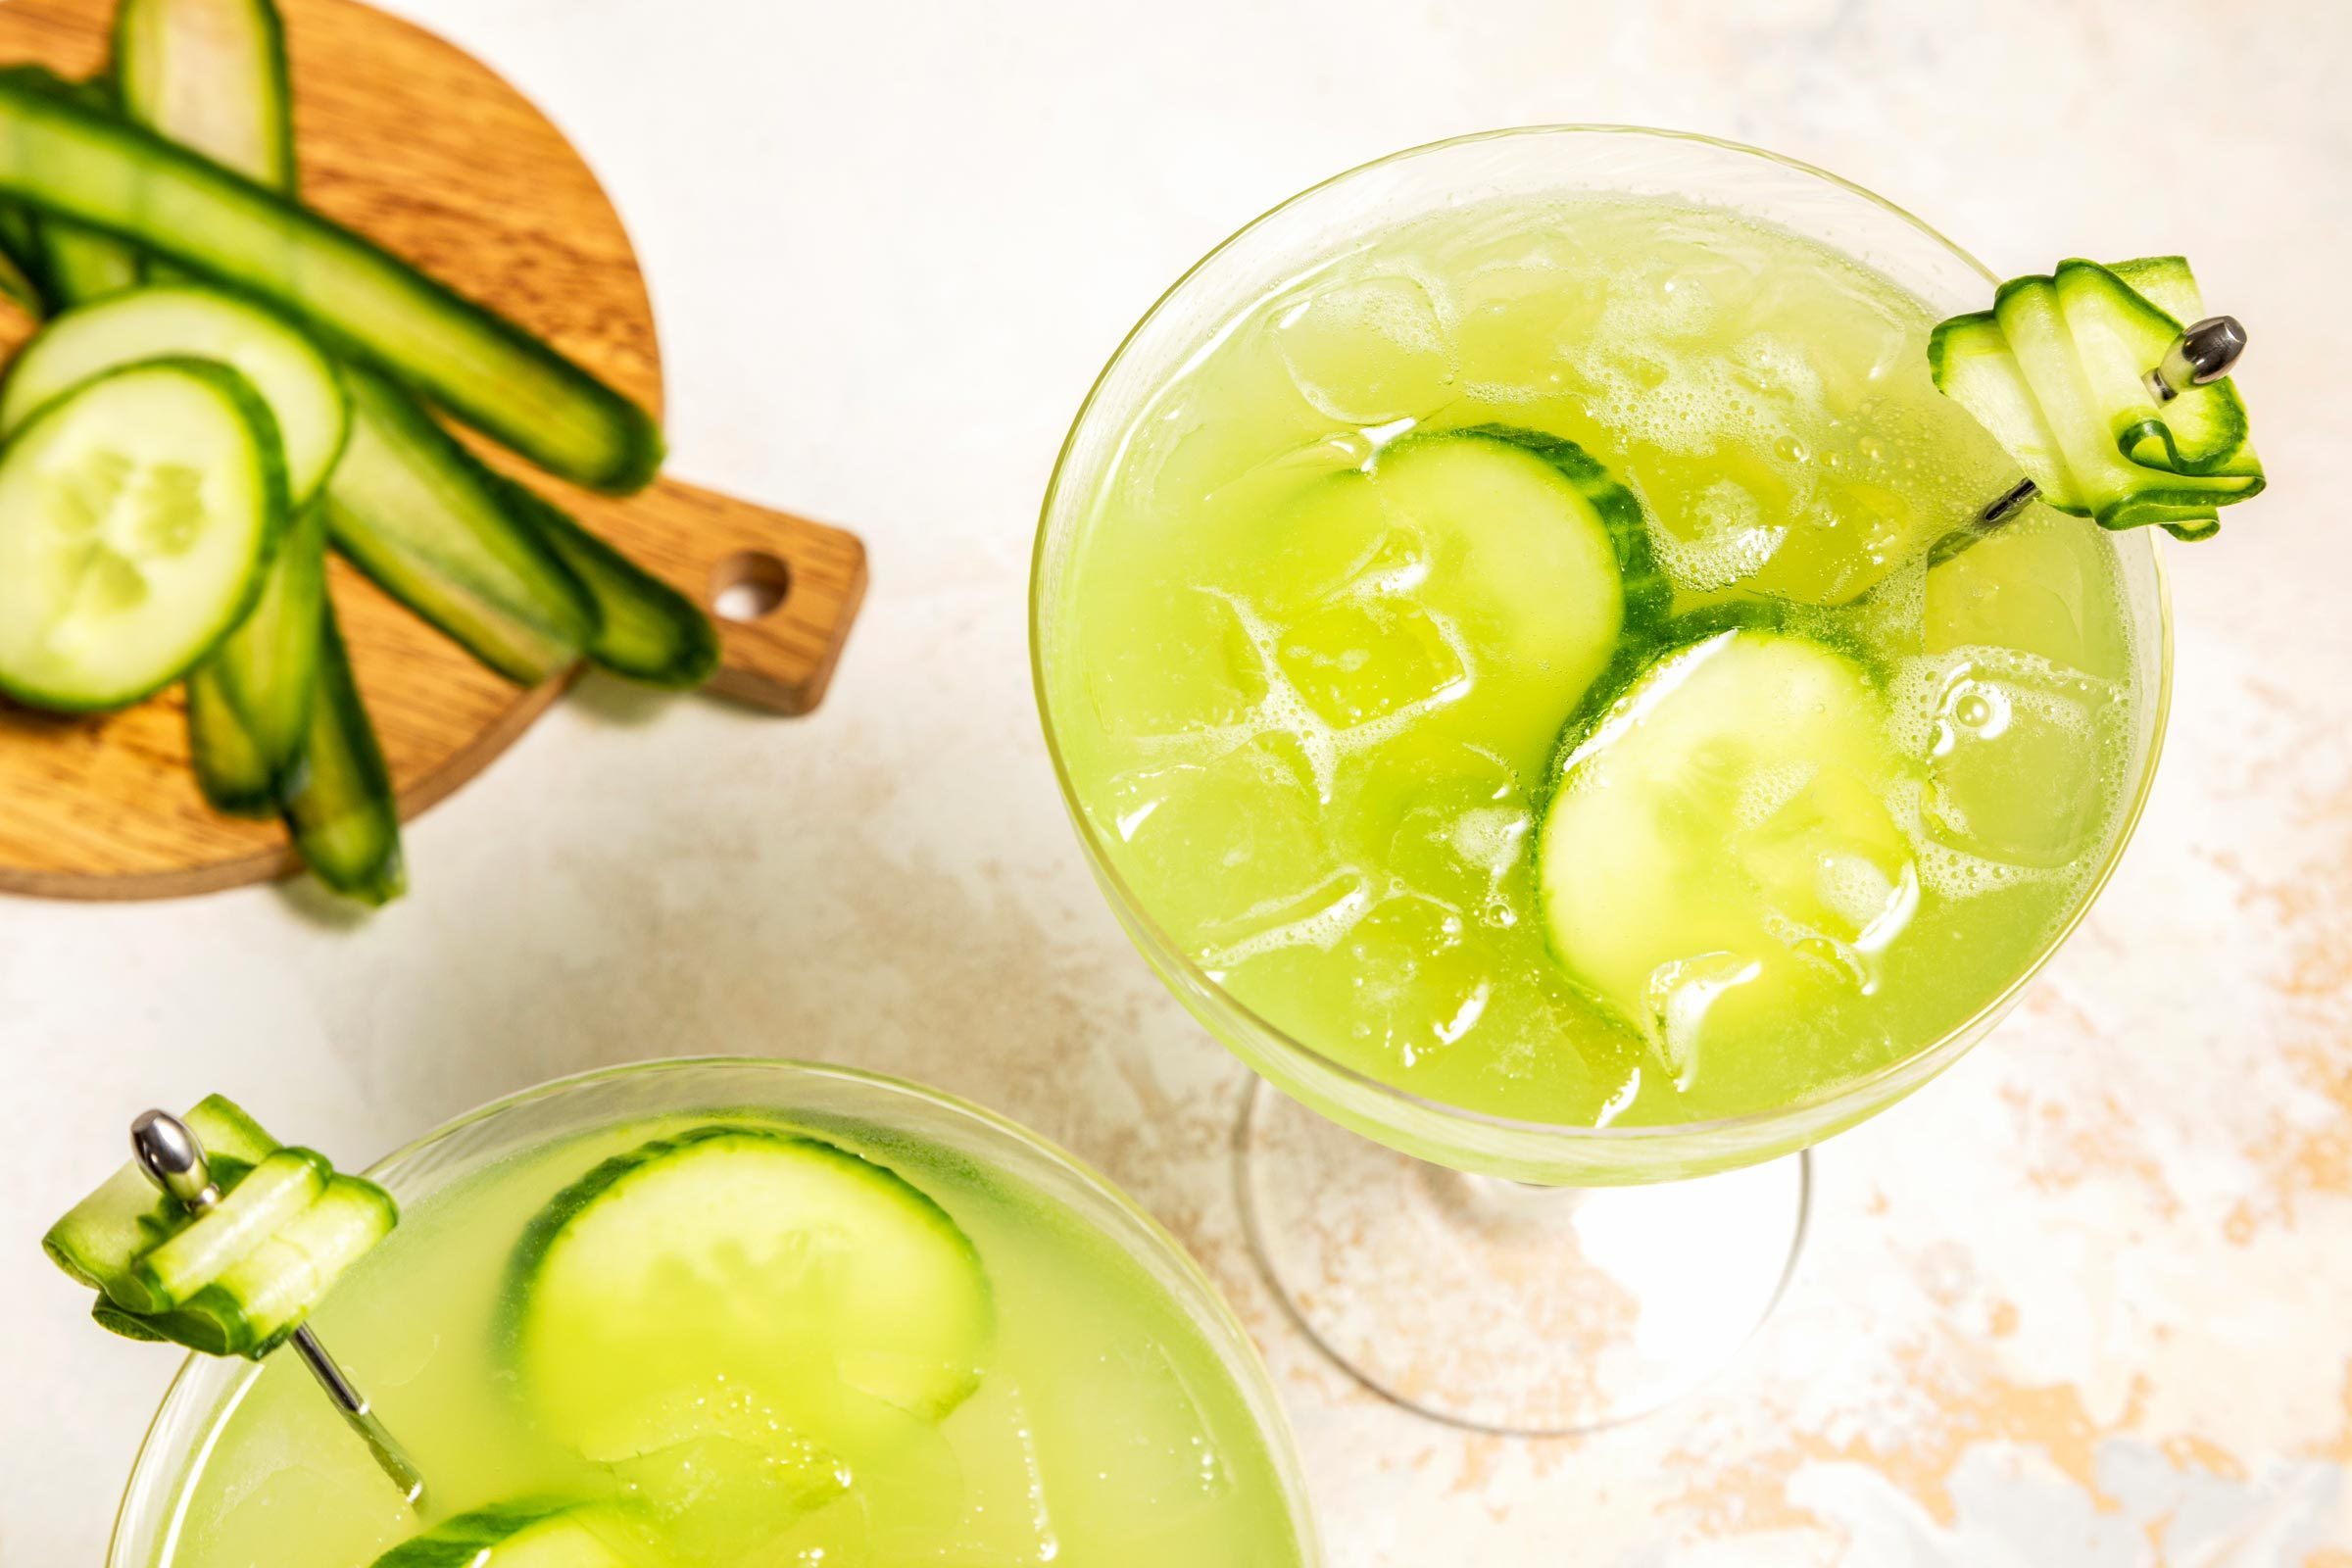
[1369, 350]
[2020, 755]
[2036, 586]
[1006, 1520]
[1721, 534]
[1462, 837]
[1515, 317]
[1220, 824]
[1419, 989]
[1128, 1456]
[1832, 866]
[722, 1498]
[1358, 661]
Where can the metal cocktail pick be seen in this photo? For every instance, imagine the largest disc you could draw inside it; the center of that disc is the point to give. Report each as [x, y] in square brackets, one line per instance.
[2204, 351]
[173, 1158]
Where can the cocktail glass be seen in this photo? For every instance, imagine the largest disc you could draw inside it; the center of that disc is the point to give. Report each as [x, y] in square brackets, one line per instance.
[1505, 1275]
[184, 1433]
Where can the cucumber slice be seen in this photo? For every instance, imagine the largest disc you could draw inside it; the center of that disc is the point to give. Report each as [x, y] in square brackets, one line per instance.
[101, 1236]
[426, 519]
[1717, 845]
[534, 1533]
[210, 74]
[87, 165]
[286, 1182]
[1509, 538]
[16, 283]
[1541, 532]
[21, 243]
[260, 1300]
[138, 513]
[249, 705]
[230, 769]
[747, 1284]
[646, 630]
[83, 265]
[341, 812]
[191, 320]
[75, 263]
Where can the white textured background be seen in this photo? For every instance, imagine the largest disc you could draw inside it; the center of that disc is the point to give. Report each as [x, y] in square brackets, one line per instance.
[2088, 1299]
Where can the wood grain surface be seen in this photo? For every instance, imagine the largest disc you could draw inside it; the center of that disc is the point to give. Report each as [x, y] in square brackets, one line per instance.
[414, 143]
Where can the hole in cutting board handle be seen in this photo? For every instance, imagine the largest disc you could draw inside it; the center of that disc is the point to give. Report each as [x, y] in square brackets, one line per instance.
[749, 585]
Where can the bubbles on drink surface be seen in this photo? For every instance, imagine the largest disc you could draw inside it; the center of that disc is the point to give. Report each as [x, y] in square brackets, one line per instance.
[1341, 828]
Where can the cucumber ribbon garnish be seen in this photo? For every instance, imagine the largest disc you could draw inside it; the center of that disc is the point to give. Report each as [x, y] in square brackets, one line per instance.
[219, 1238]
[2103, 382]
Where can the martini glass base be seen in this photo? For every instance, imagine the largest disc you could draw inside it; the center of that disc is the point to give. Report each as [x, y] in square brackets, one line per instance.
[1504, 1307]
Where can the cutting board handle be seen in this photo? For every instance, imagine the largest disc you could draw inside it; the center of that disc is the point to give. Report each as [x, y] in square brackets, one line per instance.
[782, 589]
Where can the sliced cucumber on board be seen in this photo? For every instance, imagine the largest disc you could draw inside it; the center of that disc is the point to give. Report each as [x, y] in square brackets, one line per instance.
[87, 165]
[83, 265]
[341, 810]
[21, 244]
[646, 630]
[427, 521]
[1717, 840]
[230, 771]
[194, 320]
[2056, 373]
[275, 725]
[75, 263]
[534, 1533]
[249, 705]
[139, 515]
[742, 1283]
[210, 74]
[15, 283]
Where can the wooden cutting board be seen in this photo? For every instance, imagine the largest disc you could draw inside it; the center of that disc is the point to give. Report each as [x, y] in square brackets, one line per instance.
[428, 152]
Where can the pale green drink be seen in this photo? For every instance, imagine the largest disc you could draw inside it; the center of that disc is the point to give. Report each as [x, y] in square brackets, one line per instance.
[1313, 654]
[1114, 1415]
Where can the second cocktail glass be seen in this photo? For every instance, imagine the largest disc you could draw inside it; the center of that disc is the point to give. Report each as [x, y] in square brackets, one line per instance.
[1442, 1263]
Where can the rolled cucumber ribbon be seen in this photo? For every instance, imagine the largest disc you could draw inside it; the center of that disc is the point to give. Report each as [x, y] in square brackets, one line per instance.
[2107, 384]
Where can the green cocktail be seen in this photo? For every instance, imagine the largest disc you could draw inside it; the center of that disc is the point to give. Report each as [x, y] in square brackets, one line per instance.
[701, 1314]
[1368, 516]
[1522, 653]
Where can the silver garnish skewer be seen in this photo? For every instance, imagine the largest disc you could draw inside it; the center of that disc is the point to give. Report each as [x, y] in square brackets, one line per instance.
[174, 1160]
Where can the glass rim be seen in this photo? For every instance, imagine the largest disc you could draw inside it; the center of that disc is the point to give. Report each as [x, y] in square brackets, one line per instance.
[1854, 1094]
[1207, 1302]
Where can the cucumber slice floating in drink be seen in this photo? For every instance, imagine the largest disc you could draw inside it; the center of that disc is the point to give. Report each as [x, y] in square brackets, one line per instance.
[2056, 370]
[542, 1533]
[745, 1284]
[1719, 844]
[1449, 539]
[137, 515]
